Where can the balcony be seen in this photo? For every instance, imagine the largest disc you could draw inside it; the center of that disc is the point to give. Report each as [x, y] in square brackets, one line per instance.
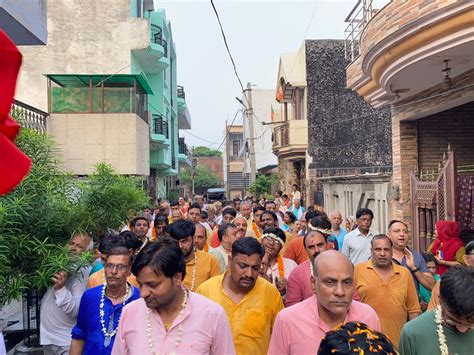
[154, 58]
[119, 93]
[181, 93]
[157, 38]
[28, 116]
[400, 50]
[159, 129]
[100, 118]
[290, 139]
[184, 117]
[183, 155]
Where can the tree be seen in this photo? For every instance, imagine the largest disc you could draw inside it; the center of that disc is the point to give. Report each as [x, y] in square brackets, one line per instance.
[263, 185]
[203, 180]
[202, 151]
[40, 214]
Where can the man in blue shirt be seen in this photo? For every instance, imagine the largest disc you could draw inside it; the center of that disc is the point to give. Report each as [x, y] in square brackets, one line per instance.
[411, 259]
[338, 233]
[101, 306]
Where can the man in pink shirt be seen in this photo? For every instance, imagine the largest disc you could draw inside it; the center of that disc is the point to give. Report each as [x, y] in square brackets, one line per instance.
[299, 285]
[168, 318]
[299, 329]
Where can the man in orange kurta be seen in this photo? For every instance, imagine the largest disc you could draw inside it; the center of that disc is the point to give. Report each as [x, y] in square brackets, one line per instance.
[388, 288]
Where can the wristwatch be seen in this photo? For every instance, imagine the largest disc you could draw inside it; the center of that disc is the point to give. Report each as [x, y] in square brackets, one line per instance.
[415, 270]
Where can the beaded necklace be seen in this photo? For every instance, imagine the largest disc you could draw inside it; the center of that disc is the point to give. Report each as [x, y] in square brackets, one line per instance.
[193, 273]
[108, 336]
[149, 328]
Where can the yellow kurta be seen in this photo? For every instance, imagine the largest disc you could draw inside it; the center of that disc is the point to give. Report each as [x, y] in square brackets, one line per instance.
[98, 278]
[251, 320]
[207, 266]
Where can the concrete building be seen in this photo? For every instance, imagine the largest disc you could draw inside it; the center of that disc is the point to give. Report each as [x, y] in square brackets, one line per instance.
[418, 57]
[237, 181]
[109, 83]
[262, 102]
[336, 161]
[290, 123]
[24, 21]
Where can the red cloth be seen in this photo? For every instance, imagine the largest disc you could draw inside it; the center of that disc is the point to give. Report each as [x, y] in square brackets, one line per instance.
[214, 239]
[448, 241]
[14, 165]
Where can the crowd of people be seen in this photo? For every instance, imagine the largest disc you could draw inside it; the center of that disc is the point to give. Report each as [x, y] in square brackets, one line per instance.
[257, 276]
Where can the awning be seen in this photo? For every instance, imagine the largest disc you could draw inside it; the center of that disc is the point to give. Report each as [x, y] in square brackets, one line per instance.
[109, 80]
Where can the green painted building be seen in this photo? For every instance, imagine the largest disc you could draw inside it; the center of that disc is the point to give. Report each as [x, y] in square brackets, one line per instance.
[167, 106]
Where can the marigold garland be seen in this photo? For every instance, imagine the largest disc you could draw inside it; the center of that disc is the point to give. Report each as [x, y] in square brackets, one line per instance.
[281, 267]
[256, 231]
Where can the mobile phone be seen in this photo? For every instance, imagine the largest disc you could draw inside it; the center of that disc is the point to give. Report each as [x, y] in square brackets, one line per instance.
[440, 254]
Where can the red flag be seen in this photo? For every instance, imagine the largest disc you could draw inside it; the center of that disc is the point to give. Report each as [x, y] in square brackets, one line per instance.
[14, 164]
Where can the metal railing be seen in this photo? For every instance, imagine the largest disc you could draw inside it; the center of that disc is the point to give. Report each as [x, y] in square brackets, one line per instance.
[282, 135]
[28, 116]
[357, 19]
[157, 37]
[182, 148]
[181, 93]
[160, 125]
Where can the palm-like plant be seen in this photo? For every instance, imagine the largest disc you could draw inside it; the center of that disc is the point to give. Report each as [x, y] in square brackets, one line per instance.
[39, 216]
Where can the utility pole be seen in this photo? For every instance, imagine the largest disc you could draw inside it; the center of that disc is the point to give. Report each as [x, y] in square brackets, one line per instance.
[193, 170]
[250, 116]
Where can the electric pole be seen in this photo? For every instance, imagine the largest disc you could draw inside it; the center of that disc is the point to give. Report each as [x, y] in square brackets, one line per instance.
[250, 116]
[193, 170]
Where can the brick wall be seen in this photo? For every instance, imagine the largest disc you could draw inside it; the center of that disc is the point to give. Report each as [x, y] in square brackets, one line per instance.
[420, 143]
[214, 164]
[454, 127]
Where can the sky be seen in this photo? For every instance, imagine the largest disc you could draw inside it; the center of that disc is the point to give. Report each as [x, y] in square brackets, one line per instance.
[257, 33]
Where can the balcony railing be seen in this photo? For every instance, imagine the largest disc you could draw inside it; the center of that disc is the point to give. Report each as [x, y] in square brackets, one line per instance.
[357, 19]
[160, 125]
[157, 37]
[182, 148]
[181, 93]
[28, 116]
[282, 135]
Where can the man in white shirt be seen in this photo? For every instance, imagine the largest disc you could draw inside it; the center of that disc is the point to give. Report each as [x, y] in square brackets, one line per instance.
[295, 194]
[60, 304]
[227, 235]
[356, 244]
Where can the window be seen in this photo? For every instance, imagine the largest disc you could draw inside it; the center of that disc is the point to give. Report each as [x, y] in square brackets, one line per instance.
[235, 148]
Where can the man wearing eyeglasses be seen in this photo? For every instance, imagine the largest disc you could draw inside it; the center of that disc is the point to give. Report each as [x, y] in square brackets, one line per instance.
[448, 328]
[101, 306]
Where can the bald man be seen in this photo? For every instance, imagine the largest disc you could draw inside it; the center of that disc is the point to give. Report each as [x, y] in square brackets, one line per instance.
[300, 328]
